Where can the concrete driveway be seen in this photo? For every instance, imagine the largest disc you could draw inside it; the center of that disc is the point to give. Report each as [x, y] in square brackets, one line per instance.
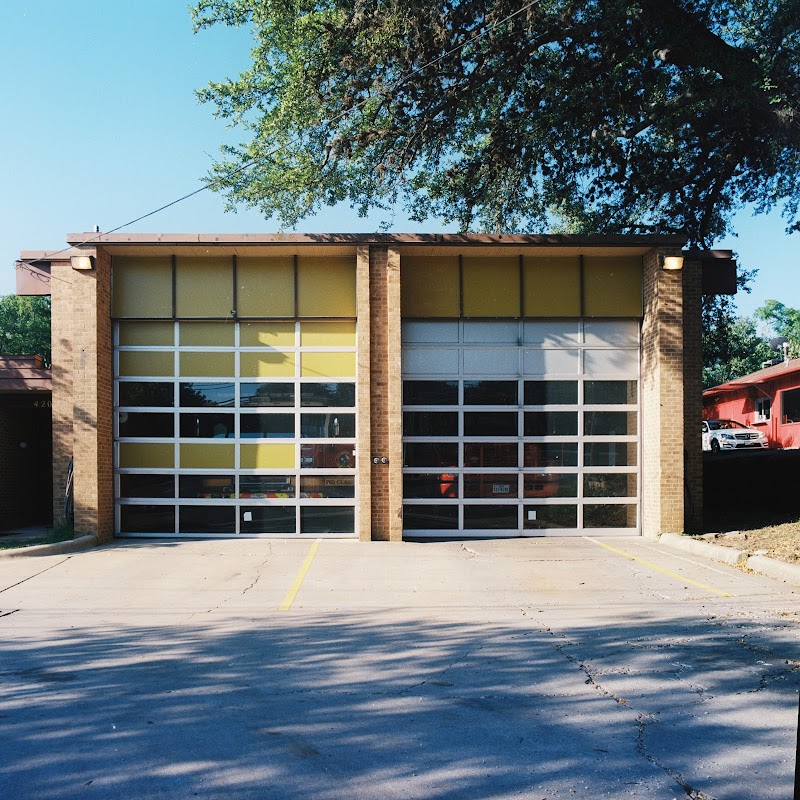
[538, 668]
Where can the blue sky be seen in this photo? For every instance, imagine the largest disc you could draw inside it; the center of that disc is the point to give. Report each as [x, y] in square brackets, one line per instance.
[102, 126]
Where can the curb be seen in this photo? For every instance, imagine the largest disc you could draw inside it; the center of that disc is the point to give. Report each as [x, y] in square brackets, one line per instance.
[70, 546]
[770, 567]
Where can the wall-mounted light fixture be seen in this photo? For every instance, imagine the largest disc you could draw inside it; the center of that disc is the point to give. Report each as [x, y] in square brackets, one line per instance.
[671, 262]
[82, 262]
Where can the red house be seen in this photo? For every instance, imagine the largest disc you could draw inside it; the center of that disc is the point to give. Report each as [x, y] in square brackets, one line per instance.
[768, 400]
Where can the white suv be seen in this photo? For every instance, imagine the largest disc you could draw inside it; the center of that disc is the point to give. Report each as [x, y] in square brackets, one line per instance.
[726, 434]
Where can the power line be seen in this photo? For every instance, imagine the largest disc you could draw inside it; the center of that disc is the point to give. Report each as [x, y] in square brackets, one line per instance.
[333, 120]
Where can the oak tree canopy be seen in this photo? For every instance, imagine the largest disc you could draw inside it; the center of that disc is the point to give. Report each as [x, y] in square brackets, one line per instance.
[614, 116]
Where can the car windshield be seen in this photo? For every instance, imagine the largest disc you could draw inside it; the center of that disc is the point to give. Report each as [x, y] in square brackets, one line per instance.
[724, 424]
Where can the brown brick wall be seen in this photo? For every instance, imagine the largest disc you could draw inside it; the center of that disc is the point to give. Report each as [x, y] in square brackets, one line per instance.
[92, 392]
[385, 393]
[61, 347]
[662, 399]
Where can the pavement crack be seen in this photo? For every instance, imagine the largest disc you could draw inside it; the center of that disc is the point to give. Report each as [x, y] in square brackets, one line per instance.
[258, 570]
[36, 574]
[643, 722]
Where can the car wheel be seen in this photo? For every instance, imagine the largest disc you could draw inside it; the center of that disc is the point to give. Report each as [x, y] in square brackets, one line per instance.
[714, 446]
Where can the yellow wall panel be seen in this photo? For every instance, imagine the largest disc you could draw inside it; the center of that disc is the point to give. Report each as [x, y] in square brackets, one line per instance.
[552, 286]
[142, 287]
[146, 363]
[491, 287]
[328, 365]
[429, 286]
[147, 334]
[326, 287]
[267, 456]
[266, 334]
[204, 286]
[207, 334]
[207, 456]
[612, 287]
[265, 287]
[207, 364]
[266, 365]
[142, 454]
[328, 333]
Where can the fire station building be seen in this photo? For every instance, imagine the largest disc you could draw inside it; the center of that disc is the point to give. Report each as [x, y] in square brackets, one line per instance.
[381, 387]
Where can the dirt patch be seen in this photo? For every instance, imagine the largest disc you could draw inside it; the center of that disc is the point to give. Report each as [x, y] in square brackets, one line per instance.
[775, 537]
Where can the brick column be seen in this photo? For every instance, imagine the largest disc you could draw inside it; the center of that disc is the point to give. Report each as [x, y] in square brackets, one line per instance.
[395, 395]
[693, 390]
[385, 389]
[662, 399]
[363, 377]
[61, 275]
[92, 392]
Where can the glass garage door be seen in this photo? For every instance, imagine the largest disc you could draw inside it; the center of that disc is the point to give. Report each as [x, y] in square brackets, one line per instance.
[226, 427]
[520, 428]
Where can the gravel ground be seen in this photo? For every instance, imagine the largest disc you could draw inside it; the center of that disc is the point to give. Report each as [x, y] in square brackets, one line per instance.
[777, 538]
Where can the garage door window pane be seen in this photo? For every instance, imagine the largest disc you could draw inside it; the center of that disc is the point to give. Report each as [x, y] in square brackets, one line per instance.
[609, 423]
[430, 393]
[543, 393]
[550, 516]
[609, 454]
[550, 454]
[207, 486]
[266, 426]
[490, 454]
[551, 423]
[266, 486]
[157, 426]
[327, 519]
[207, 519]
[609, 392]
[434, 517]
[490, 393]
[143, 393]
[549, 484]
[147, 486]
[328, 394]
[339, 486]
[268, 519]
[206, 395]
[430, 423]
[491, 485]
[616, 516]
[327, 426]
[253, 395]
[491, 517]
[207, 426]
[430, 485]
[430, 454]
[605, 485]
[147, 519]
[327, 456]
[491, 423]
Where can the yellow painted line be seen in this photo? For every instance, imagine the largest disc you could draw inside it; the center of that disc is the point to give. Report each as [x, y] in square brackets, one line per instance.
[298, 581]
[651, 565]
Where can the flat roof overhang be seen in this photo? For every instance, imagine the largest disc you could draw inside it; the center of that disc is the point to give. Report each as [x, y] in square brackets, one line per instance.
[202, 244]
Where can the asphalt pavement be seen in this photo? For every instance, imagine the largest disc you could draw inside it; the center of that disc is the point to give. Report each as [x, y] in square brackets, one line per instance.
[534, 668]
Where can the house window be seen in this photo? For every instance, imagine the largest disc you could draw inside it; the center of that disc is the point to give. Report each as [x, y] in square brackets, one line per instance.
[791, 407]
[763, 407]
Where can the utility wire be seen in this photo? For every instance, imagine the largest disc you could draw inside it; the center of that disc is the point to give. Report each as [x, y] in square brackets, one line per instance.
[275, 150]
